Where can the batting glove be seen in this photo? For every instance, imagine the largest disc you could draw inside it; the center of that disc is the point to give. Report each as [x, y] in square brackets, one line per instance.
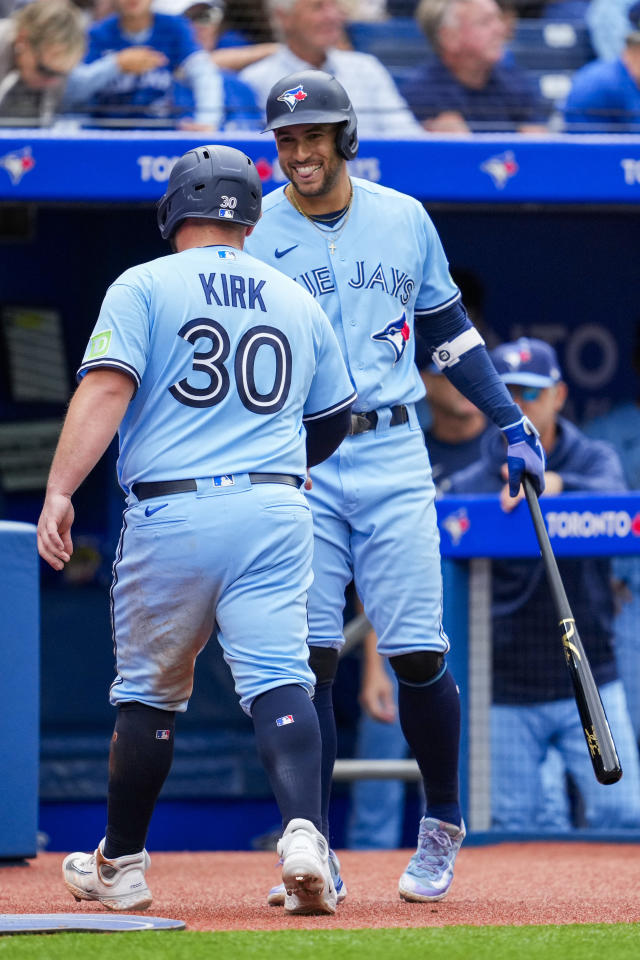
[524, 455]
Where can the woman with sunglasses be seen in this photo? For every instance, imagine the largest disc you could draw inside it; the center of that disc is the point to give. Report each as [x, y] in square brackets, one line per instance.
[39, 46]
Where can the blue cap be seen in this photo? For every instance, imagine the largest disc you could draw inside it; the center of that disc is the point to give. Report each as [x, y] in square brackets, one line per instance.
[528, 362]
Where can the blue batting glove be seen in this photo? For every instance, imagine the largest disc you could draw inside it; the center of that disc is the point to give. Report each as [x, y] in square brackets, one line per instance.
[524, 455]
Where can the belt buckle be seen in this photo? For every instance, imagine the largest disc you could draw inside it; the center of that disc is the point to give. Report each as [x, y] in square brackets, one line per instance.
[359, 424]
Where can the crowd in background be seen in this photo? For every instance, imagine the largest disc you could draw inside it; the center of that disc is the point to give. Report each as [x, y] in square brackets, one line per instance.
[411, 68]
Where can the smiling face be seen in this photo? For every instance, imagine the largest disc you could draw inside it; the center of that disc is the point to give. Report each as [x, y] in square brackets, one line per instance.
[310, 160]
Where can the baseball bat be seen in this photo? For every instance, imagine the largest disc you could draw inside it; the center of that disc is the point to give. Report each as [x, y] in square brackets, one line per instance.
[602, 749]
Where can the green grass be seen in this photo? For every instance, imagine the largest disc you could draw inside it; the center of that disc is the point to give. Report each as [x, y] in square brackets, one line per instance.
[577, 942]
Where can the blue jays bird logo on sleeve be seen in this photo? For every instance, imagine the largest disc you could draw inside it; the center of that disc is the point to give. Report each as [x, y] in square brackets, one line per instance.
[293, 96]
[396, 334]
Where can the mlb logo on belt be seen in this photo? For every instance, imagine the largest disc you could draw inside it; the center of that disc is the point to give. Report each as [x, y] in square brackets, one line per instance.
[283, 721]
[163, 734]
[225, 481]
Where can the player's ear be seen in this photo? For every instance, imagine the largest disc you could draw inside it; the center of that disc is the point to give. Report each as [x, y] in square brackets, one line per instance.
[561, 391]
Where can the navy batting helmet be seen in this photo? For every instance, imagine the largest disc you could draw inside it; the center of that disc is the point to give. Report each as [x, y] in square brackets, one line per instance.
[211, 182]
[312, 96]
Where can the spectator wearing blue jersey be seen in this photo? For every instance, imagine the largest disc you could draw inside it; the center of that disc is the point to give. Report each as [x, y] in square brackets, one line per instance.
[147, 69]
[533, 705]
[468, 86]
[205, 16]
[605, 94]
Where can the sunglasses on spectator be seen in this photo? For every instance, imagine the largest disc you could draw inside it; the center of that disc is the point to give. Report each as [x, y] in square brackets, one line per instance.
[207, 16]
[528, 394]
[48, 73]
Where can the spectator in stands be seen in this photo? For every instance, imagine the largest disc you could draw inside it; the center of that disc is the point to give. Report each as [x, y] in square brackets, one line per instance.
[608, 22]
[230, 49]
[467, 86]
[533, 705]
[605, 94]
[240, 107]
[311, 32]
[621, 428]
[40, 44]
[135, 63]
[453, 440]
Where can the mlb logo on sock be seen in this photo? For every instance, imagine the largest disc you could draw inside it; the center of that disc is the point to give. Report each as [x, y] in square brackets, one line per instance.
[283, 721]
[163, 734]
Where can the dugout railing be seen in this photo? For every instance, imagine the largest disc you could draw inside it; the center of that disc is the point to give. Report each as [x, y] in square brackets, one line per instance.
[473, 531]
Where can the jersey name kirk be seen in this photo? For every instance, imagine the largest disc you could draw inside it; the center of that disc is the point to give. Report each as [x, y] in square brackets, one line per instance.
[233, 291]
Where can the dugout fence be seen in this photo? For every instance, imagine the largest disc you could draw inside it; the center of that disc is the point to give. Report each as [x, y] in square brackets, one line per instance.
[474, 532]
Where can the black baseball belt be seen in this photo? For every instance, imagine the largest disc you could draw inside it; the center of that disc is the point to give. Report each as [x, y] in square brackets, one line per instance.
[361, 422]
[164, 488]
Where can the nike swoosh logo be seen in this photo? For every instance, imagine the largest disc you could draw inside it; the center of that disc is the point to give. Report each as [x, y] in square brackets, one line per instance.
[283, 253]
[149, 512]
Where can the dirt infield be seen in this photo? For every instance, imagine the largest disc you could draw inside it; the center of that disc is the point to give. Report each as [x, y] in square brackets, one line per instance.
[511, 883]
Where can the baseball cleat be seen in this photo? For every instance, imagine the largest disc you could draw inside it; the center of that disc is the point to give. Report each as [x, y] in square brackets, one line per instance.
[275, 897]
[118, 884]
[308, 886]
[430, 871]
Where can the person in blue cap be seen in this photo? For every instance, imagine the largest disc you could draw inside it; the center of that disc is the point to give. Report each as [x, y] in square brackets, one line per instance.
[533, 705]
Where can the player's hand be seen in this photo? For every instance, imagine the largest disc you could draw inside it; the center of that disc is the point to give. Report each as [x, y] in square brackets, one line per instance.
[308, 484]
[140, 59]
[524, 455]
[54, 530]
[377, 696]
[553, 485]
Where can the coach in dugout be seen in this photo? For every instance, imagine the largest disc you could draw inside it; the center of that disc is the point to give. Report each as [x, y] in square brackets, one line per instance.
[533, 705]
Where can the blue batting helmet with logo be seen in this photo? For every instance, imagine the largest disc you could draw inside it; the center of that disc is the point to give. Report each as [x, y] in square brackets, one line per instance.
[211, 182]
[312, 96]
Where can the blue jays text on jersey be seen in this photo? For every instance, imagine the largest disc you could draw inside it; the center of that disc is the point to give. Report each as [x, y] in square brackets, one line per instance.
[213, 339]
[371, 291]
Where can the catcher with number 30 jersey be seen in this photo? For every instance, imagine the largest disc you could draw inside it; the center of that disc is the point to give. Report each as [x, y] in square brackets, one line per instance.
[373, 260]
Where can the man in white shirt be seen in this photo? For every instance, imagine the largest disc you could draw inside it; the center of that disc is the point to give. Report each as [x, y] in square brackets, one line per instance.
[310, 32]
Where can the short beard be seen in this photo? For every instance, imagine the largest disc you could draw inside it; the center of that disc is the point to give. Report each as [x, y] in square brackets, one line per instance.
[331, 177]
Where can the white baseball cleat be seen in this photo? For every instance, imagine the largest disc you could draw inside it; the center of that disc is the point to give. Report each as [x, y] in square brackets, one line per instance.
[308, 886]
[118, 884]
[275, 897]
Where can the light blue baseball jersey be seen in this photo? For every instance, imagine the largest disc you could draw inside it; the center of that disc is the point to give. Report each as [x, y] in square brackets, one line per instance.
[371, 287]
[227, 355]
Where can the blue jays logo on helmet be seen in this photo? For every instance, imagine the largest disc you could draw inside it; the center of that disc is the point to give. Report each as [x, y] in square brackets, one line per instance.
[293, 96]
[396, 334]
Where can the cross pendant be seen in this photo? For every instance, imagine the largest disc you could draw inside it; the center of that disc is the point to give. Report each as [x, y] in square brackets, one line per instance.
[332, 248]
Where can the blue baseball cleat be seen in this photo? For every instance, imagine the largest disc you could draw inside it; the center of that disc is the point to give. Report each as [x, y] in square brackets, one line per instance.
[275, 897]
[430, 871]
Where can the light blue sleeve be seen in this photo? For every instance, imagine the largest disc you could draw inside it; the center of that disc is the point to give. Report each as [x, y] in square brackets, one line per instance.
[205, 80]
[88, 79]
[331, 388]
[437, 290]
[120, 338]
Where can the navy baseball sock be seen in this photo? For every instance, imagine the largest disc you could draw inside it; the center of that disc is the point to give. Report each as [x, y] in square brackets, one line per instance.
[430, 720]
[139, 761]
[323, 702]
[289, 745]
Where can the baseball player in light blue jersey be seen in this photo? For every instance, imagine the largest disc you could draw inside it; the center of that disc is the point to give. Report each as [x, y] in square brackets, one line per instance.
[372, 259]
[209, 363]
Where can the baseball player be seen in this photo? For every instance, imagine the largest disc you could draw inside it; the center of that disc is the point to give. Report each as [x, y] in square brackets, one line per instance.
[372, 258]
[208, 362]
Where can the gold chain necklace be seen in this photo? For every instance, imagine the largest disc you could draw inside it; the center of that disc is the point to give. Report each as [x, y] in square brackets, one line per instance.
[334, 233]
